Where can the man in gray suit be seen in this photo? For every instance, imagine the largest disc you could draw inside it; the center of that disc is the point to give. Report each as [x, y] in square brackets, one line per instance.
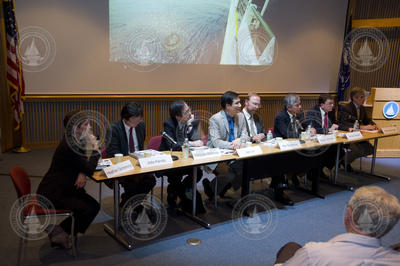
[227, 131]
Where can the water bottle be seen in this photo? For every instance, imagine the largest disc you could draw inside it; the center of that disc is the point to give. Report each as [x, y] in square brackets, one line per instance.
[269, 135]
[308, 132]
[185, 148]
[356, 126]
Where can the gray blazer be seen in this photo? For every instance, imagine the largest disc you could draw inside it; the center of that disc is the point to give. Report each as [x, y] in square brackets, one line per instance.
[218, 134]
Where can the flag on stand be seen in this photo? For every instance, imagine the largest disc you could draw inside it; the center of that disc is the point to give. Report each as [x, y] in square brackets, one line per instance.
[15, 79]
[344, 72]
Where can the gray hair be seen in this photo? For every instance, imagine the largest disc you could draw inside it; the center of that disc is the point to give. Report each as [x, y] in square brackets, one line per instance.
[290, 99]
[374, 211]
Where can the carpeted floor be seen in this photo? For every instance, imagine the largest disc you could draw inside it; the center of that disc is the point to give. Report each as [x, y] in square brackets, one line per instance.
[311, 219]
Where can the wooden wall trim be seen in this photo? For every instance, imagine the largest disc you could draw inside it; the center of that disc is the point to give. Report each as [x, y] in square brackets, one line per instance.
[376, 23]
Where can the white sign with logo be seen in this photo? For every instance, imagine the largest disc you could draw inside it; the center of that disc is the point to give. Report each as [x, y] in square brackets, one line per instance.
[206, 153]
[285, 145]
[153, 161]
[354, 135]
[389, 130]
[119, 168]
[390, 110]
[249, 151]
[323, 139]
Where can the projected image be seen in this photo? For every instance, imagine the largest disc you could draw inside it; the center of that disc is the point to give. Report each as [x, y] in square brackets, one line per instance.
[228, 32]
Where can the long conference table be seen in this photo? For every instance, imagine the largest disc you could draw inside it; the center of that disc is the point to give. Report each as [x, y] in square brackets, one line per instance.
[115, 231]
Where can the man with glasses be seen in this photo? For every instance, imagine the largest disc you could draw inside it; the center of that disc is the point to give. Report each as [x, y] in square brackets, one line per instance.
[254, 125]
[127, 136]
[179, 126]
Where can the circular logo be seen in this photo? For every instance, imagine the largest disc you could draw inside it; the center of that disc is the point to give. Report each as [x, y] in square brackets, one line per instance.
[143, 217]
[369, 218]
[203, 117]
[81, 129]
[38, 48]
[23, 219]
[390, 110]
[144, 48]
[368, 48]
[254, 217]
[256, 52]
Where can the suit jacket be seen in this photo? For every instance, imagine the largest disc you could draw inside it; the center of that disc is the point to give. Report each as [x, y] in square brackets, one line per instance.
[283, 127]
[348, 115]
[64, 169]
[218, 134]
[117, 141]
[171, 128]
[259, 125]
[314, 118]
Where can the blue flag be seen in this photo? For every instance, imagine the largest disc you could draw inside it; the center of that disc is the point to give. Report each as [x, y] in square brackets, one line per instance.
[344, 72]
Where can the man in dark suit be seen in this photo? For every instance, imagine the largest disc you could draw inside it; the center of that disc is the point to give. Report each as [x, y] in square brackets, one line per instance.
[254, 124]
[348, 115]
[127, 136]
[179, 126]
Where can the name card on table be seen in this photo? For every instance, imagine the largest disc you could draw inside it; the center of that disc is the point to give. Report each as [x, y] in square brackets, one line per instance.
[389, 130]
[285, 145]
[206, 153]
[153, 161]
[249, 151]
[323, 139]
[119, 168]
[354, 135]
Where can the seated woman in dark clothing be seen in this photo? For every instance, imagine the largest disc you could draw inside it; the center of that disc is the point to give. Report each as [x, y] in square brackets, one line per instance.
[75, 158]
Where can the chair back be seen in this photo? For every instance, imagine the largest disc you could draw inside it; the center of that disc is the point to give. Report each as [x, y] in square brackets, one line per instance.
[21, 181]
[154, 143]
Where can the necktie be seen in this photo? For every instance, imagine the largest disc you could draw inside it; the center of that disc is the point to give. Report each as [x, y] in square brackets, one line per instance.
[252, 126]
[131, 142]
[231, 130]
[358, 113]
[326, 120]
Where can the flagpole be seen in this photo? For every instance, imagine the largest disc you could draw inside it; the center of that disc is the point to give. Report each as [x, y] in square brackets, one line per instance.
[22, 148]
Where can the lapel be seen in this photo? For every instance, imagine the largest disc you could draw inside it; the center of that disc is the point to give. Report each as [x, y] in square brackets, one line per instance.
[225, 121]
[247, 125]
[236, 130]
[124, 140]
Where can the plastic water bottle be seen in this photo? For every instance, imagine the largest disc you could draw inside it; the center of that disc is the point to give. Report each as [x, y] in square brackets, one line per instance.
[185, 148]
[356, 126]
[308, 132]
[269, 135]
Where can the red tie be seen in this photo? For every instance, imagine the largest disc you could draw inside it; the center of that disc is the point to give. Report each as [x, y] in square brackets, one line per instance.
[131, 142]
[326, 120]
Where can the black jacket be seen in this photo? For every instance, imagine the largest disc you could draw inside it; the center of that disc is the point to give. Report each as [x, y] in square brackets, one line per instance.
[283, 127]
[117, 142]
[259, 125]
[314, 118]
[171, 128]
[348, 115]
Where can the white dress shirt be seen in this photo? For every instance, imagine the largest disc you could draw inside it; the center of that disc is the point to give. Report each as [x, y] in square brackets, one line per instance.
[127, 129]
[250, 122]
[346, 249]
[323, 118]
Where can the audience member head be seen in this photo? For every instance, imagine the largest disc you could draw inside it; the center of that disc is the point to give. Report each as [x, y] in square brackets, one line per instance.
[292, 103]
[372, 212]
[132, 114]
[230, 102]
[252, 103]
[180, 111]
[326, 102]
[77, 122]
[357, 96]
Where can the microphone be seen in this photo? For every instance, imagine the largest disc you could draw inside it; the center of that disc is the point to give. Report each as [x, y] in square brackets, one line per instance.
[168, 137]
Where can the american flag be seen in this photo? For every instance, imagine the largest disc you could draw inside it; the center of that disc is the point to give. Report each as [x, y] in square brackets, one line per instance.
[15, 78]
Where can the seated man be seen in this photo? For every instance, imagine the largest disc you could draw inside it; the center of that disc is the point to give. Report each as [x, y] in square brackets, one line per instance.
[254, 125]
[179, 126]
[355, 111]
[226, 129]
[127, 136]
[371, 214]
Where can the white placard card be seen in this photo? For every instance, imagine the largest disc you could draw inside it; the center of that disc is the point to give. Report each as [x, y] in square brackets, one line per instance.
[323, 139]
[354, 135]
[249, 151]
[206, 153]
[285, 145]
[389, 130]
[119, 168]
[153, 161]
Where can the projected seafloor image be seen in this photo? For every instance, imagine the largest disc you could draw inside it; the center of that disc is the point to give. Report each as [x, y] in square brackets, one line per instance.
[228, 32]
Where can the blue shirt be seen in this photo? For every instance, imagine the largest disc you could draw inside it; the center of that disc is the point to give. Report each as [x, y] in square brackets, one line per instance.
[346, 249]
[231, 123]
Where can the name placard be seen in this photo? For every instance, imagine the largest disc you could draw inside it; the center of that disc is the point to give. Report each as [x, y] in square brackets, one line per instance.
[389, 130]
[206, 153]
[285, 145]
[354, 135]
[323, 139]
[249, 151]
[153, 161]
[119, 168]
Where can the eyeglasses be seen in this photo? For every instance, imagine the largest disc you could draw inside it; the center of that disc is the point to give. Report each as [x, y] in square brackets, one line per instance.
[188, 111]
